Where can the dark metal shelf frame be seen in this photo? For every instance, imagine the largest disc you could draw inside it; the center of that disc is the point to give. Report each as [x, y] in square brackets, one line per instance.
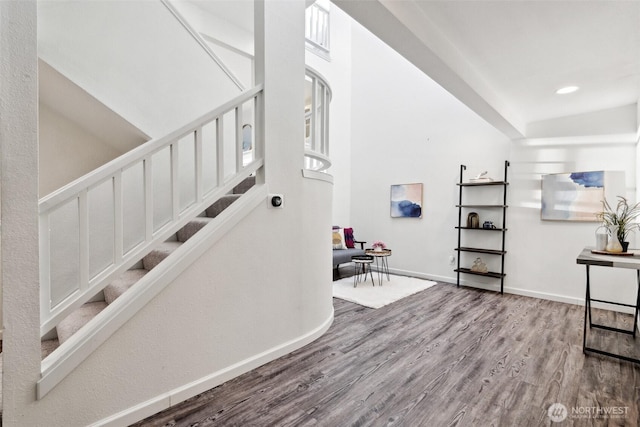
[478, 184]
[481, 229]
[498, 252]
[482, 206]
[481, 250]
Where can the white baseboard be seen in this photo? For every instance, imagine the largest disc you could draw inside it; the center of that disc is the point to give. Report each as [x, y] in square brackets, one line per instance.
[516, 291]
[420, 275]
[182, 393]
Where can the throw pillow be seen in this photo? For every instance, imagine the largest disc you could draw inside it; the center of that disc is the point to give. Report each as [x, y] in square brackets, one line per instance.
[338, 239]
[348, 238]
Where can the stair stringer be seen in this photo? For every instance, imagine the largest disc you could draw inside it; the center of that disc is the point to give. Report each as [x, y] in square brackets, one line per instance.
[77, 348]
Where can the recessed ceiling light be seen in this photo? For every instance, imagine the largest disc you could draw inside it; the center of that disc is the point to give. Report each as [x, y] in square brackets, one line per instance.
[567, 89]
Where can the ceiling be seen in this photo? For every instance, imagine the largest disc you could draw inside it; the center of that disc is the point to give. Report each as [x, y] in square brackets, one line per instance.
[506, 59]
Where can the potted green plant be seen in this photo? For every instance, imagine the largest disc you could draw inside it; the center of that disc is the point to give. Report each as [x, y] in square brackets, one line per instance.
[622, 219]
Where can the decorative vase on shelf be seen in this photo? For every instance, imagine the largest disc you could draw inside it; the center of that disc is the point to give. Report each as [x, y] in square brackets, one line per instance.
[378, 246]
[602, 238]
[479, 266]
[614, 244]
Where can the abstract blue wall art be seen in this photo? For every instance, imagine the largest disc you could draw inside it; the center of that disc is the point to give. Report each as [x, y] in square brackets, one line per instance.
[573, 196]
[406, 201]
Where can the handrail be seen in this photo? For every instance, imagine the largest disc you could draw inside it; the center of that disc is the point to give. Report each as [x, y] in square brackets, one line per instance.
[316, 161]
[198, 38]
[98, 175]
[80, 253]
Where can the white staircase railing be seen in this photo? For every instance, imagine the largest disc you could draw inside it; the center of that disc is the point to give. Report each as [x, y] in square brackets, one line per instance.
[103, 223]
[316, 143]
[317, 29]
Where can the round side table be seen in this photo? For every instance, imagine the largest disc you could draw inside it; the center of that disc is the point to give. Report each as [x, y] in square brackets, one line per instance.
[382, 265]
[363, 267]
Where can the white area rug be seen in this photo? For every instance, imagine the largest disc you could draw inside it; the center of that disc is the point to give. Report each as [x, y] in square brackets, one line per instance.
[379, 296]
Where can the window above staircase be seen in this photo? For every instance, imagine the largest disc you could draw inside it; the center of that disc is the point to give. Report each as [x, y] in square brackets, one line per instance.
[317, 28]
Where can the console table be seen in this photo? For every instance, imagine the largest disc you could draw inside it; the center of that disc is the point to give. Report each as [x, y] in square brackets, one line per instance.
[588, 259]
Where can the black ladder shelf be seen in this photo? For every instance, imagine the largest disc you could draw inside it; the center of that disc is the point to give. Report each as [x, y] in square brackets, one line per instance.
[501, 252]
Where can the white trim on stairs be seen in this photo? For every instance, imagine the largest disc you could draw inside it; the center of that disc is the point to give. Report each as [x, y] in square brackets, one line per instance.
[77, 348]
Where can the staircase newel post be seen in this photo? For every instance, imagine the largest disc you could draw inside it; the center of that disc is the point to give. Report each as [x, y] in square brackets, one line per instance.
[259, 67]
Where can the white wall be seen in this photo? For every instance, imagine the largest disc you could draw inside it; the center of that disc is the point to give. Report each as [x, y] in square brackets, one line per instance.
[542, 257]
[407, 129]
[67, 151]
[338, 74]
[229, 41]
[226, 21]
[19, 213]
[135, 58]
[614, 121]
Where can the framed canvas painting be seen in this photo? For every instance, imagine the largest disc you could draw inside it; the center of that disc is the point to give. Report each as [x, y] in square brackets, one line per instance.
[575, 196]
[406, 201]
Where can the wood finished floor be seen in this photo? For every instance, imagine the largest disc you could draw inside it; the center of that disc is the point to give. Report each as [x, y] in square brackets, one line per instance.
[446, 356]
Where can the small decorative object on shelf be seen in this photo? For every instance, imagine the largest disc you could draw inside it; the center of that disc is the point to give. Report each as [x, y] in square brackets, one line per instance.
[614, 244]
[482, 177]
[601, 238]
[378, 245]
[483, 233]
[479, 266]
[619, 222]
[473, 220]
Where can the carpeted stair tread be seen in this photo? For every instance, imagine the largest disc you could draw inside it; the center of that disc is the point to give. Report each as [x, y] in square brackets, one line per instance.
[47, 347]
[117, 287]
[245, 185]
[192, 227]
[221, 204]
[76, 320]
[156, 256]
